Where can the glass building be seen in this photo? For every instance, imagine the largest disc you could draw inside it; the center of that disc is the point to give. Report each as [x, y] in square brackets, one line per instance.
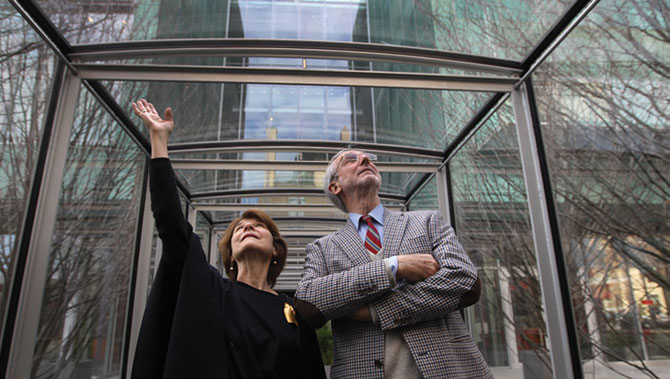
[540, 130]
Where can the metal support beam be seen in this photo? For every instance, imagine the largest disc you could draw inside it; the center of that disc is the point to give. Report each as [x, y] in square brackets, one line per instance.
[248, 75]
[274, 191]
[320, 166]
[192, 215]
[338, 50]
[543, 238]
[443, 195]
[142, 263]
[213, 247]
[311, 146]
[271, 207]
[34, 280]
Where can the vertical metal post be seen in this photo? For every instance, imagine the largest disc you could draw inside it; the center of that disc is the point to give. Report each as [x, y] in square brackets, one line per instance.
[443, 192]
[636, 313]
[39, 246]
[508, 316]
[140, 284]
[551, 268]
[191, 216]
[213, 248]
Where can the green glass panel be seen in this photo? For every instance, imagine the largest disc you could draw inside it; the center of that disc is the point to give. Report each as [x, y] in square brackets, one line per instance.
[426, 199]
[26, 72]
[603, 104]
[83, 314]
[493, 224]
[501, 28]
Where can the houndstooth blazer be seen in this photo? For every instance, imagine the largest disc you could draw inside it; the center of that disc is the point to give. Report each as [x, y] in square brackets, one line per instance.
[340, 278]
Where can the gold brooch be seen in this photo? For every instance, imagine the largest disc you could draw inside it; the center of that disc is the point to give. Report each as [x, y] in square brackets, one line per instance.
[289, 313]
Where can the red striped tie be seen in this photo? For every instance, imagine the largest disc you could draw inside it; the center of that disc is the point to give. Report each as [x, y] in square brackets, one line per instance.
[372, 240]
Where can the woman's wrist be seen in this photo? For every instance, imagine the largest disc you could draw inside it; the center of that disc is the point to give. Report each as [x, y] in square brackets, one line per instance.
[159, 145]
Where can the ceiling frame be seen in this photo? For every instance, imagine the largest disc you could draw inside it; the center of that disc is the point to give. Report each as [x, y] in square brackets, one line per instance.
[254, 75]
[336, 50]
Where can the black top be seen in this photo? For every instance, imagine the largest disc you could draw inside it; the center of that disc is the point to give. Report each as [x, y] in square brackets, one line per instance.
[199, 324]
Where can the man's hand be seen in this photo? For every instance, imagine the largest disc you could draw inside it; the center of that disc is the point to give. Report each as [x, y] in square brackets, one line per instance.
[362, 314]
[416, 267]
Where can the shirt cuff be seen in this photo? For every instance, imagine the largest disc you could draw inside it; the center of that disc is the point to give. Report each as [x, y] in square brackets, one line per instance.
[391, 268]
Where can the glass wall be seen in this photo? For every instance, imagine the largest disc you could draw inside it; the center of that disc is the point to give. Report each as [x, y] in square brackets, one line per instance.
[85, 300]
[603, 102]
[493, 224]
[603, 106]
[26, 69]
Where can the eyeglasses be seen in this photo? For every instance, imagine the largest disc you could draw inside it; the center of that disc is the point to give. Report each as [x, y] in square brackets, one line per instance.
[353, 157]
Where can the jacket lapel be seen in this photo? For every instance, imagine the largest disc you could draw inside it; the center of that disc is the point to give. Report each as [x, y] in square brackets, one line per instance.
[351, 244]
[395, 224]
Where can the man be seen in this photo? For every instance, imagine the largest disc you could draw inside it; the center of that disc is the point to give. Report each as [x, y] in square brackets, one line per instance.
[392, 284]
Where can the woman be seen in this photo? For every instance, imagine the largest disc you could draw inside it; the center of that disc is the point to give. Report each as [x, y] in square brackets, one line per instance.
[199, 324]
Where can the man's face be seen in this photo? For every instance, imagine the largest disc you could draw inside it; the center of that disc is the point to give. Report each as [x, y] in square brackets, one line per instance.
[356, 170]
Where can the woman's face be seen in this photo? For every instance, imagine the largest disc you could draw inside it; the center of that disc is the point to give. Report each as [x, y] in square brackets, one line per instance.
[251, 235]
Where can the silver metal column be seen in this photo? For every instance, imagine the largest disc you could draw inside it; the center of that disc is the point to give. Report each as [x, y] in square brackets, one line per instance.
[443, 194]
[213, 248]
[30, 302]
[191, 216]
[142, 282]
[542, 238]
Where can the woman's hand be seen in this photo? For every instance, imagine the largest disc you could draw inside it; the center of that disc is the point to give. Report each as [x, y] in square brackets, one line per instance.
[159, 128]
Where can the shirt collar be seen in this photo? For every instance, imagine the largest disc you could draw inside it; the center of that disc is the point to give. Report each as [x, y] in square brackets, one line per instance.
[377, 214]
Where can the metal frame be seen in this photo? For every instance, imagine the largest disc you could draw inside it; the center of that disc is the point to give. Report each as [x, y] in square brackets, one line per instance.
[250, 75]
[319, 166]
[28, 283]
[239, 47]
[259, 192]
[256, 145]
[23, 245]
[39, 247]
[544, 239]
[232, 207]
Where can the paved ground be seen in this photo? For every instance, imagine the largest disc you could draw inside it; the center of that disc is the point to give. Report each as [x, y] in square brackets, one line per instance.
[594, 370]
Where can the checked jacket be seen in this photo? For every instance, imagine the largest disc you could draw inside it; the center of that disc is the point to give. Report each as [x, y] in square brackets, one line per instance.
[340, 278]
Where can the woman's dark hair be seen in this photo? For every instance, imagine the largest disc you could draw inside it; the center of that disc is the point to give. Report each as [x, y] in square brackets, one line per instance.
[226, 250]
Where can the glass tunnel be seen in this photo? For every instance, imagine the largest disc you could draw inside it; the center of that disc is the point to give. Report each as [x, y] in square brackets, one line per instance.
[540, 130]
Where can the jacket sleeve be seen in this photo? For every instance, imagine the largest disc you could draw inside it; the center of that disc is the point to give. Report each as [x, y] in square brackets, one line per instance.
[175, 231]
[454, 286]
[311, 351]
[322, 296]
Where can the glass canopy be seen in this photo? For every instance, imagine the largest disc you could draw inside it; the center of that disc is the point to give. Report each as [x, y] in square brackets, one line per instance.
[537, 129]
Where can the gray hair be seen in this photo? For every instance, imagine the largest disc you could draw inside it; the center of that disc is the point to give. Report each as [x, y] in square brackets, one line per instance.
[331, 176]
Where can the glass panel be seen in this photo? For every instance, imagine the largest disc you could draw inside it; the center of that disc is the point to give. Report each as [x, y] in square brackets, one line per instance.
[493, 224]
[426, 199]
[83, 316]
[500, 28]
[603, 102]
[25, 73]
[210, 180]
[211, 111]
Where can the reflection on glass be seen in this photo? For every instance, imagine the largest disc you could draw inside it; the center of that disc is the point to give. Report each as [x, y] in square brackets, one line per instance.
[493, 224]
[25, 76]
[502, 28]
[426, 199]
[81, 329]
[605, 128]
[207, 112]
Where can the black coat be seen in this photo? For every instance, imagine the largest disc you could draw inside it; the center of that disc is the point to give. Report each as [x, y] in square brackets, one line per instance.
[192, 311]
